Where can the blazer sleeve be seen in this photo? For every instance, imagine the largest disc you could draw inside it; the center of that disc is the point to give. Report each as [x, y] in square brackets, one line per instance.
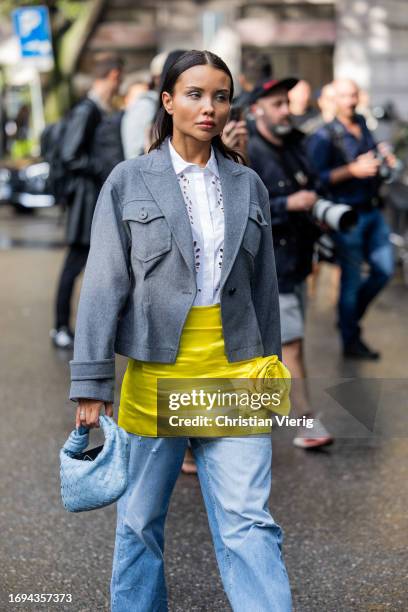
[265, 280]
[104, 292]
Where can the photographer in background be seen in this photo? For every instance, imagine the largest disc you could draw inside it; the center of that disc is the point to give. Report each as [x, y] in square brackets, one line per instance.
[276, 152]
[352, 168]
[254, 68]
[304, 116]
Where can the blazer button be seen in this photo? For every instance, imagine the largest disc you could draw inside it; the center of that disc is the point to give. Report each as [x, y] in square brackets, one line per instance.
[143, 213]
[232, 291]
[258, 216]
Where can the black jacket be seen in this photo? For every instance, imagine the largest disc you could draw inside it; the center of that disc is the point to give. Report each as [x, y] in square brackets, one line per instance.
[294, 233]
[83, 169]
[107, 148]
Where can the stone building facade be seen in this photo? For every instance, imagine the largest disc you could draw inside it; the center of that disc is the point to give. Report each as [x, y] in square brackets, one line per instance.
[315, 39]
[372, 47]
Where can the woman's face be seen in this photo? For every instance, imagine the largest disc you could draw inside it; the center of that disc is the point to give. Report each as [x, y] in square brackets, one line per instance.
[199, 104]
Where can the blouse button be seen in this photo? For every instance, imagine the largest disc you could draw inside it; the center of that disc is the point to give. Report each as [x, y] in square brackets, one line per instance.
[143, 214]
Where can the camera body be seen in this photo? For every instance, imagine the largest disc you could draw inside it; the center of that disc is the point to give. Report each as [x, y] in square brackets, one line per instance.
[236, 113]
[385, 172]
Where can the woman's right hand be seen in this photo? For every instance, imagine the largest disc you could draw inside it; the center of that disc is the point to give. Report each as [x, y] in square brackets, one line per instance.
[235, 135]
[88, 410]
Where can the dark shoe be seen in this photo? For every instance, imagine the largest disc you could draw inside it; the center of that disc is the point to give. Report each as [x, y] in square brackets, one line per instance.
[359, 350]
[62, 338]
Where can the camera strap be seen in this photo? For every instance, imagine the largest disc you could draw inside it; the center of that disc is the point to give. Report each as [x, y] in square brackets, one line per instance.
[294, 167]
[336, 133]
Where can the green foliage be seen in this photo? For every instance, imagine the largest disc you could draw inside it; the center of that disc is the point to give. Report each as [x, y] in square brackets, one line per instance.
[7, 6]
[67, 8]
[21, 149]
[70, 9]
[63, 15]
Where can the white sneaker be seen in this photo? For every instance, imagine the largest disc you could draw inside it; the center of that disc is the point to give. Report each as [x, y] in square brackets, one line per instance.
[313, 437]
[62, 338]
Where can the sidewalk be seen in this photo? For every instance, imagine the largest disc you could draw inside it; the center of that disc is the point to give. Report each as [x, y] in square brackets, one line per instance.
[342, 510]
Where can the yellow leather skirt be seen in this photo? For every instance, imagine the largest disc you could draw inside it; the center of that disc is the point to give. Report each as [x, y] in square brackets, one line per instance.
[201, 355]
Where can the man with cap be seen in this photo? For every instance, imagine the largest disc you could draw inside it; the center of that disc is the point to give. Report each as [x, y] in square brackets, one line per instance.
[276, 152]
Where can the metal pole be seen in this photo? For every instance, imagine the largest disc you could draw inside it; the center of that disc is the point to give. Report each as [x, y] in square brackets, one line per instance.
[37, 109]
[2, 113]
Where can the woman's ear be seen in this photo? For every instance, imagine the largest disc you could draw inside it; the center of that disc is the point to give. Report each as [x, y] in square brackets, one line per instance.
[167, 102]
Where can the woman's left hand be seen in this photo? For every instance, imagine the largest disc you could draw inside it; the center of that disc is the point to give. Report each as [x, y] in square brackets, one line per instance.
[87, 413]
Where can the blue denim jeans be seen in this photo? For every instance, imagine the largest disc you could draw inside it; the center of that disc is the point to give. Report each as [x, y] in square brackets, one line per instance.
[367, 242]
[235, 479]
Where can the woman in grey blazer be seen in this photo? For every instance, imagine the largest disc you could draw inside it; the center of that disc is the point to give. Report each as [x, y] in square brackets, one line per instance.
[181, 279]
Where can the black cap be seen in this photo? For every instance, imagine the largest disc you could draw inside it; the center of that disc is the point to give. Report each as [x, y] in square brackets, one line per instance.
[266, 86]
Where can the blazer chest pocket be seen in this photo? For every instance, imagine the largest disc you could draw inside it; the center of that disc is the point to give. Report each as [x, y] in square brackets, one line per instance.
[151, 236]
[253, 231]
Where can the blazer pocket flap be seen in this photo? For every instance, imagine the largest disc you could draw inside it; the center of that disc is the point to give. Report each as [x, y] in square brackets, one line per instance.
[142, 211]
[256, 214]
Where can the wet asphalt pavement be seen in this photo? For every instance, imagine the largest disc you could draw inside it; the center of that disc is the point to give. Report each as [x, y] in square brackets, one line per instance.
[343, 510]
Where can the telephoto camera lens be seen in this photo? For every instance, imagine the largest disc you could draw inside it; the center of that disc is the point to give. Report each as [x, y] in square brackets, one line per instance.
[339, 217]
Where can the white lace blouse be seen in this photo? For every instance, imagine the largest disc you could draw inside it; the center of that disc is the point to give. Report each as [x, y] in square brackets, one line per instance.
[201, 189]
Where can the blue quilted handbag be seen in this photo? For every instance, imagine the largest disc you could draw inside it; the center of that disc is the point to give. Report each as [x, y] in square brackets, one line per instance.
[98, 477]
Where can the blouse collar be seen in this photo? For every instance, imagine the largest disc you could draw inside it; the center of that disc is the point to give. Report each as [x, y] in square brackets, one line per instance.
[181, 165]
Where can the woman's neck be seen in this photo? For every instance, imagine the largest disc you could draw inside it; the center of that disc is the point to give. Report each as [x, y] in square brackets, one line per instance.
[191, 150]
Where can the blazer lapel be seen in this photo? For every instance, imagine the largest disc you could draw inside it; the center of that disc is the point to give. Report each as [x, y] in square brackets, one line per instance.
[161, 181]
[235, 192]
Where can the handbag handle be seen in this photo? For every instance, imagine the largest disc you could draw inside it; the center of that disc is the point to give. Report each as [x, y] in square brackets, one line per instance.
[104, 421]
[79, 438]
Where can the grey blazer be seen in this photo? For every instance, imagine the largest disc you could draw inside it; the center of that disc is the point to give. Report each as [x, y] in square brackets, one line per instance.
[139, 281]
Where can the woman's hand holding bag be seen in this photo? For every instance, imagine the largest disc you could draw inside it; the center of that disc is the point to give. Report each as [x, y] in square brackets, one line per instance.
[87, 414]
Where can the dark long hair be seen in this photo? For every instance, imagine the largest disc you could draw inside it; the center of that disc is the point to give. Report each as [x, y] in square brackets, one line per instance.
[163, 125]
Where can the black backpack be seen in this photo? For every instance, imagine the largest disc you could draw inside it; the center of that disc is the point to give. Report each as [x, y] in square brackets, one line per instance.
[50, 144]
[61, 180]
[107, 148]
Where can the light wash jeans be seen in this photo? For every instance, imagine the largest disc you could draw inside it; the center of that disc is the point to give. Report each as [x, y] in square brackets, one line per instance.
[235, 479]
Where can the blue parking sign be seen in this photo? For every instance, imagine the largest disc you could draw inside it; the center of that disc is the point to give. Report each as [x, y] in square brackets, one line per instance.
[32, 26]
